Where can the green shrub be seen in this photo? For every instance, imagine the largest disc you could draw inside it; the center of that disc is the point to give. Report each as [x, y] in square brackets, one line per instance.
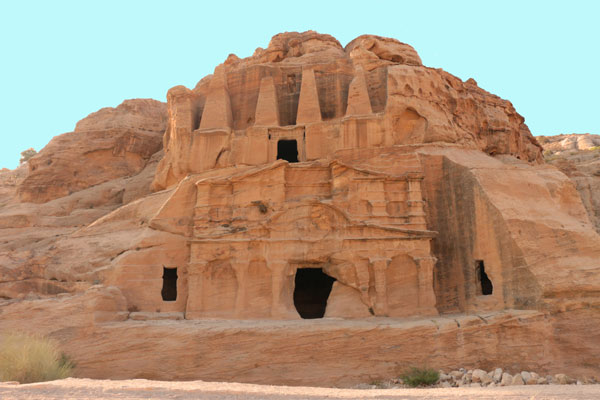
[420, 377]
[28, 358]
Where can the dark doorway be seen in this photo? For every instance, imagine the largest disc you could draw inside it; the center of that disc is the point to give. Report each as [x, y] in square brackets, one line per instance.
[311, 292]
[287, 150]
[169, 289]
[486, 284]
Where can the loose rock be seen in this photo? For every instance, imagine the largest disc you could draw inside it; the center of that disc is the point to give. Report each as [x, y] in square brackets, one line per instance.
[497, 375]
[506, 379]
[561, 379]
[518, 380]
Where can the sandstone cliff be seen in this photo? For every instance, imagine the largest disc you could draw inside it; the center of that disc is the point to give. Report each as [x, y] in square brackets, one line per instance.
[400, 190]
[578, 157]
[110, 143]
[108, 161]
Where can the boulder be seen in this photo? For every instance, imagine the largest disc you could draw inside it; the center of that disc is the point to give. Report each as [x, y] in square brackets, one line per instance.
[506, 380]
[517, 380]
[481, 376]
[497, 375]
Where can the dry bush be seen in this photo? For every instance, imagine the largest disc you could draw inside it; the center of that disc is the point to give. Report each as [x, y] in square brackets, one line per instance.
[420, 377]
[28, 358]
[27, 154]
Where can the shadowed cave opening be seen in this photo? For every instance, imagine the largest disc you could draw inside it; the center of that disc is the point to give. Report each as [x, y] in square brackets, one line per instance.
[169, 288]
[287, 150]
[486, 284]
[311, 291]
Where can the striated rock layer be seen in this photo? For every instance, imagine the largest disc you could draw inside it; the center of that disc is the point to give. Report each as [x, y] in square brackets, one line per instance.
[409, 215]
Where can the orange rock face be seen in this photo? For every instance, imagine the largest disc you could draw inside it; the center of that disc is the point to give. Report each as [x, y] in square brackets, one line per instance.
[405, 216]
[108, 144]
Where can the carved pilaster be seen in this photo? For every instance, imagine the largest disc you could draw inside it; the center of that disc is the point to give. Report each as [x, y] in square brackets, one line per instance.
[425, 276]
[363, 282]
[196, 272]
[380, 266]
[240, 267]
[281, 278]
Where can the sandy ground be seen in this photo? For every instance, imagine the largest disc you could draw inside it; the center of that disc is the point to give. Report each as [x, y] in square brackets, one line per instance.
[143, 389]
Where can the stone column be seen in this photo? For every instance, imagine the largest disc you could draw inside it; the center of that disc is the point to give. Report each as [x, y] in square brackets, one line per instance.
[426, 293]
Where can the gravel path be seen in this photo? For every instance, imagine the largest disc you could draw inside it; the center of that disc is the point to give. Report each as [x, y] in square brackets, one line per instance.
[143, 389]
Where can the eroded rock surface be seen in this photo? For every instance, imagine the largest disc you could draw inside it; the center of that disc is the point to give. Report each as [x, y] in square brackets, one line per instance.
[578, 157]
[108, 144]
[78, 177]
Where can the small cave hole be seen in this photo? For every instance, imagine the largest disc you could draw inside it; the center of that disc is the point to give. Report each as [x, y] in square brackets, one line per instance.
[486, 284]
[311, 291]
[287, 150]
[169, 288]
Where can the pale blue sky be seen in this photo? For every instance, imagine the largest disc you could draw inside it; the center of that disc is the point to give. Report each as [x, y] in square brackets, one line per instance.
[62, 60]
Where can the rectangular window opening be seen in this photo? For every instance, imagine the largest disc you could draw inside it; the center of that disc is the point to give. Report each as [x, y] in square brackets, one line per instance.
[287, 150]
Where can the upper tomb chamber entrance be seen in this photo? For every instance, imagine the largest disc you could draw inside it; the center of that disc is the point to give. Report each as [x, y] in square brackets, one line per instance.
[287, 150]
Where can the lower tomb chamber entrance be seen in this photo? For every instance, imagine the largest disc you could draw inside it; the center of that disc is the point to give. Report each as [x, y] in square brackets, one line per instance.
[311, 291]
[287, 150]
